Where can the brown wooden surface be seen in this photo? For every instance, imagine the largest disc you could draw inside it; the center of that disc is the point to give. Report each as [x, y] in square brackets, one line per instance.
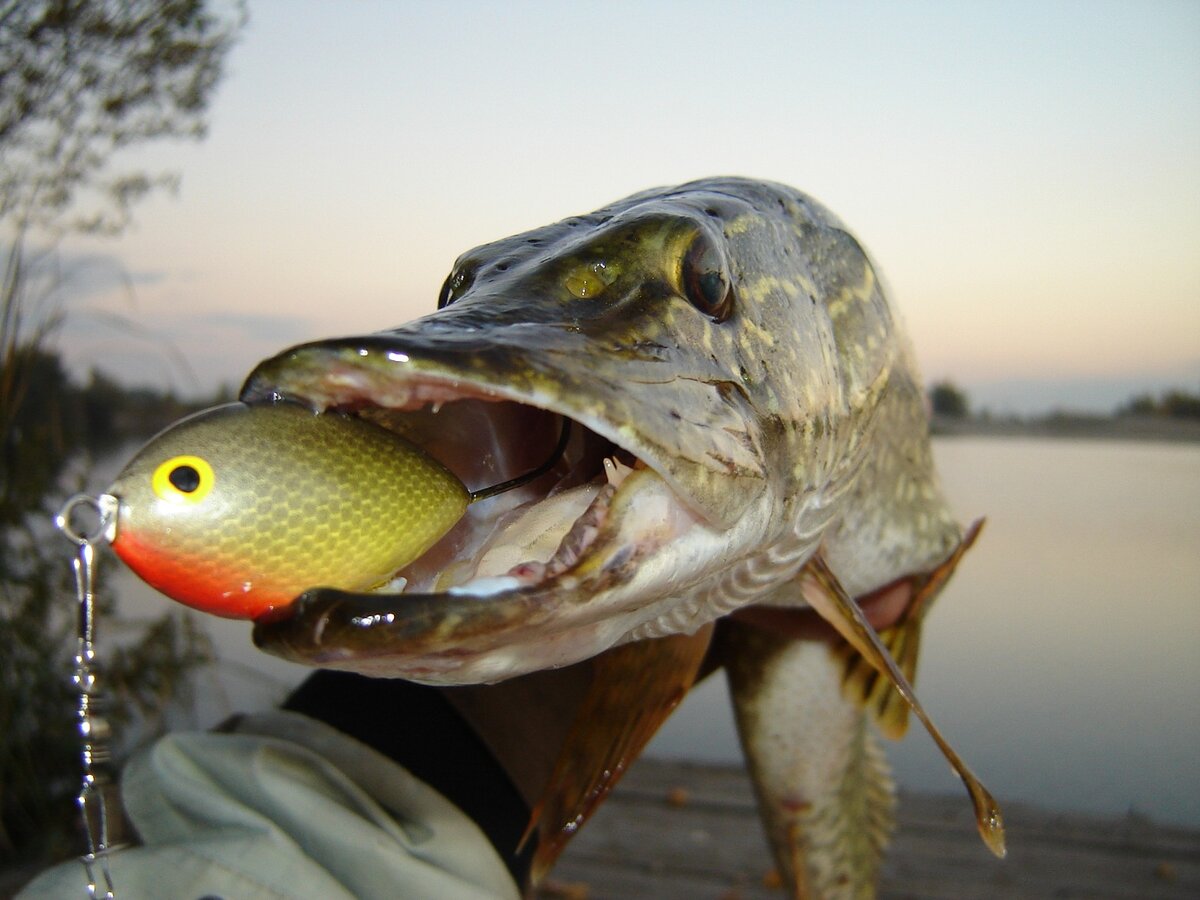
[642, 845]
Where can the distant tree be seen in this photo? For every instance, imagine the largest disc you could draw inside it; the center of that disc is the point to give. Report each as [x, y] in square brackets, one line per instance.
[37, 439]
[1175, 404]
[81, 81]
[1181, 405]
[1141, 405]
[947, 400]
[101, 399]
[112, 413]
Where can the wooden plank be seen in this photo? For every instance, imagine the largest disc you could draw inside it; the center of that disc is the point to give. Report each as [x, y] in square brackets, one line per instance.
[679, 830]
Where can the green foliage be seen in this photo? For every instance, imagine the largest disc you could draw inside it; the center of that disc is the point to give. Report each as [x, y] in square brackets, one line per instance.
[947, 400]
[39, 745]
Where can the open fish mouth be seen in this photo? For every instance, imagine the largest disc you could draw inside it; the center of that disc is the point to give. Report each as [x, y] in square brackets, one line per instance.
[626, 322]
[530, 577]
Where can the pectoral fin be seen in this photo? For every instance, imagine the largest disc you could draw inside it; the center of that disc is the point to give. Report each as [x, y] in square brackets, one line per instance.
[830, 600]
[864, 683]
[634, 688]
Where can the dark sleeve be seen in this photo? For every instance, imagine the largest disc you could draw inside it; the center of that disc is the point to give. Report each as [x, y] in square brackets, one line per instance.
[417, 727]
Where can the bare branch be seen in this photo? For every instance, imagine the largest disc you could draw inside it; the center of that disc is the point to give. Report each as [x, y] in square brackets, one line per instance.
[81, 80]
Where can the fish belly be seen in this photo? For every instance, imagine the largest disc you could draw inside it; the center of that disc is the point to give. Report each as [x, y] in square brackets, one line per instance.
[824, 790]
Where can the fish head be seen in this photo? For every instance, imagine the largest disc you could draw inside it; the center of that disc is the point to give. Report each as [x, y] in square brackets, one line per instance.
[627, 321]
[689, 337]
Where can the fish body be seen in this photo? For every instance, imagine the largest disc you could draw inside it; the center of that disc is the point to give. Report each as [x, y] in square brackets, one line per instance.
[747, 428]
[823, 783]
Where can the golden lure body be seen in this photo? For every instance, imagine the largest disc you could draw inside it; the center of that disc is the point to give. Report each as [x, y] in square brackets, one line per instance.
[239, 509]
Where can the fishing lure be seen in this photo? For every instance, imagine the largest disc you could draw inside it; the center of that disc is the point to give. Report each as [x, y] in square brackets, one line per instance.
[239, 509]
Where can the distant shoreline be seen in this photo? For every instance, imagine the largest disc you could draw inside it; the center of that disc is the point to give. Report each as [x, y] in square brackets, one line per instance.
[1072, 425]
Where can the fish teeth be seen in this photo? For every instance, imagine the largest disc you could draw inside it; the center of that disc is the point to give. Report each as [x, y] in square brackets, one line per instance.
[616, 471]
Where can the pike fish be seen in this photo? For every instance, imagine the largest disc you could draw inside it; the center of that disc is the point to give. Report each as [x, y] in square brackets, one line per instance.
[716, 408]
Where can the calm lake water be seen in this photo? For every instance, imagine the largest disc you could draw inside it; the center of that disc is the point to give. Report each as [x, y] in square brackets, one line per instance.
[1063, 661]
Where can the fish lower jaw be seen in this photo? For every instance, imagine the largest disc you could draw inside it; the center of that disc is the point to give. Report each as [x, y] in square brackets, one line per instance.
[516, 656]
[677, 574]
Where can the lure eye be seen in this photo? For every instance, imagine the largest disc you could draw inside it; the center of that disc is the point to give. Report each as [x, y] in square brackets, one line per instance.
[706, 279]
[183, 479]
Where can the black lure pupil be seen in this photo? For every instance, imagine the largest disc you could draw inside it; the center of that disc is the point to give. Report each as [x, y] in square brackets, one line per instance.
[184, 478]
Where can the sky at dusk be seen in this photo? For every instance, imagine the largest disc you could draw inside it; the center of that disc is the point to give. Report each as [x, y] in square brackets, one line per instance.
[1027, 175]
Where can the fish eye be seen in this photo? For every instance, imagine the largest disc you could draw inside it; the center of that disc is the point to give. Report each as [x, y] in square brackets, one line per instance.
[183, 479]
[456, 283]
[705, 278]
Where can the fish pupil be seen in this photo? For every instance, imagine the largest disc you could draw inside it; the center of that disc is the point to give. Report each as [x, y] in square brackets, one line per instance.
[706, 279]
[184, 478]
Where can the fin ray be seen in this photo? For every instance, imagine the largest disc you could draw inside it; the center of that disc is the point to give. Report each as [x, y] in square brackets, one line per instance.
[864, 683]
[635, 687]
[830, 599]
